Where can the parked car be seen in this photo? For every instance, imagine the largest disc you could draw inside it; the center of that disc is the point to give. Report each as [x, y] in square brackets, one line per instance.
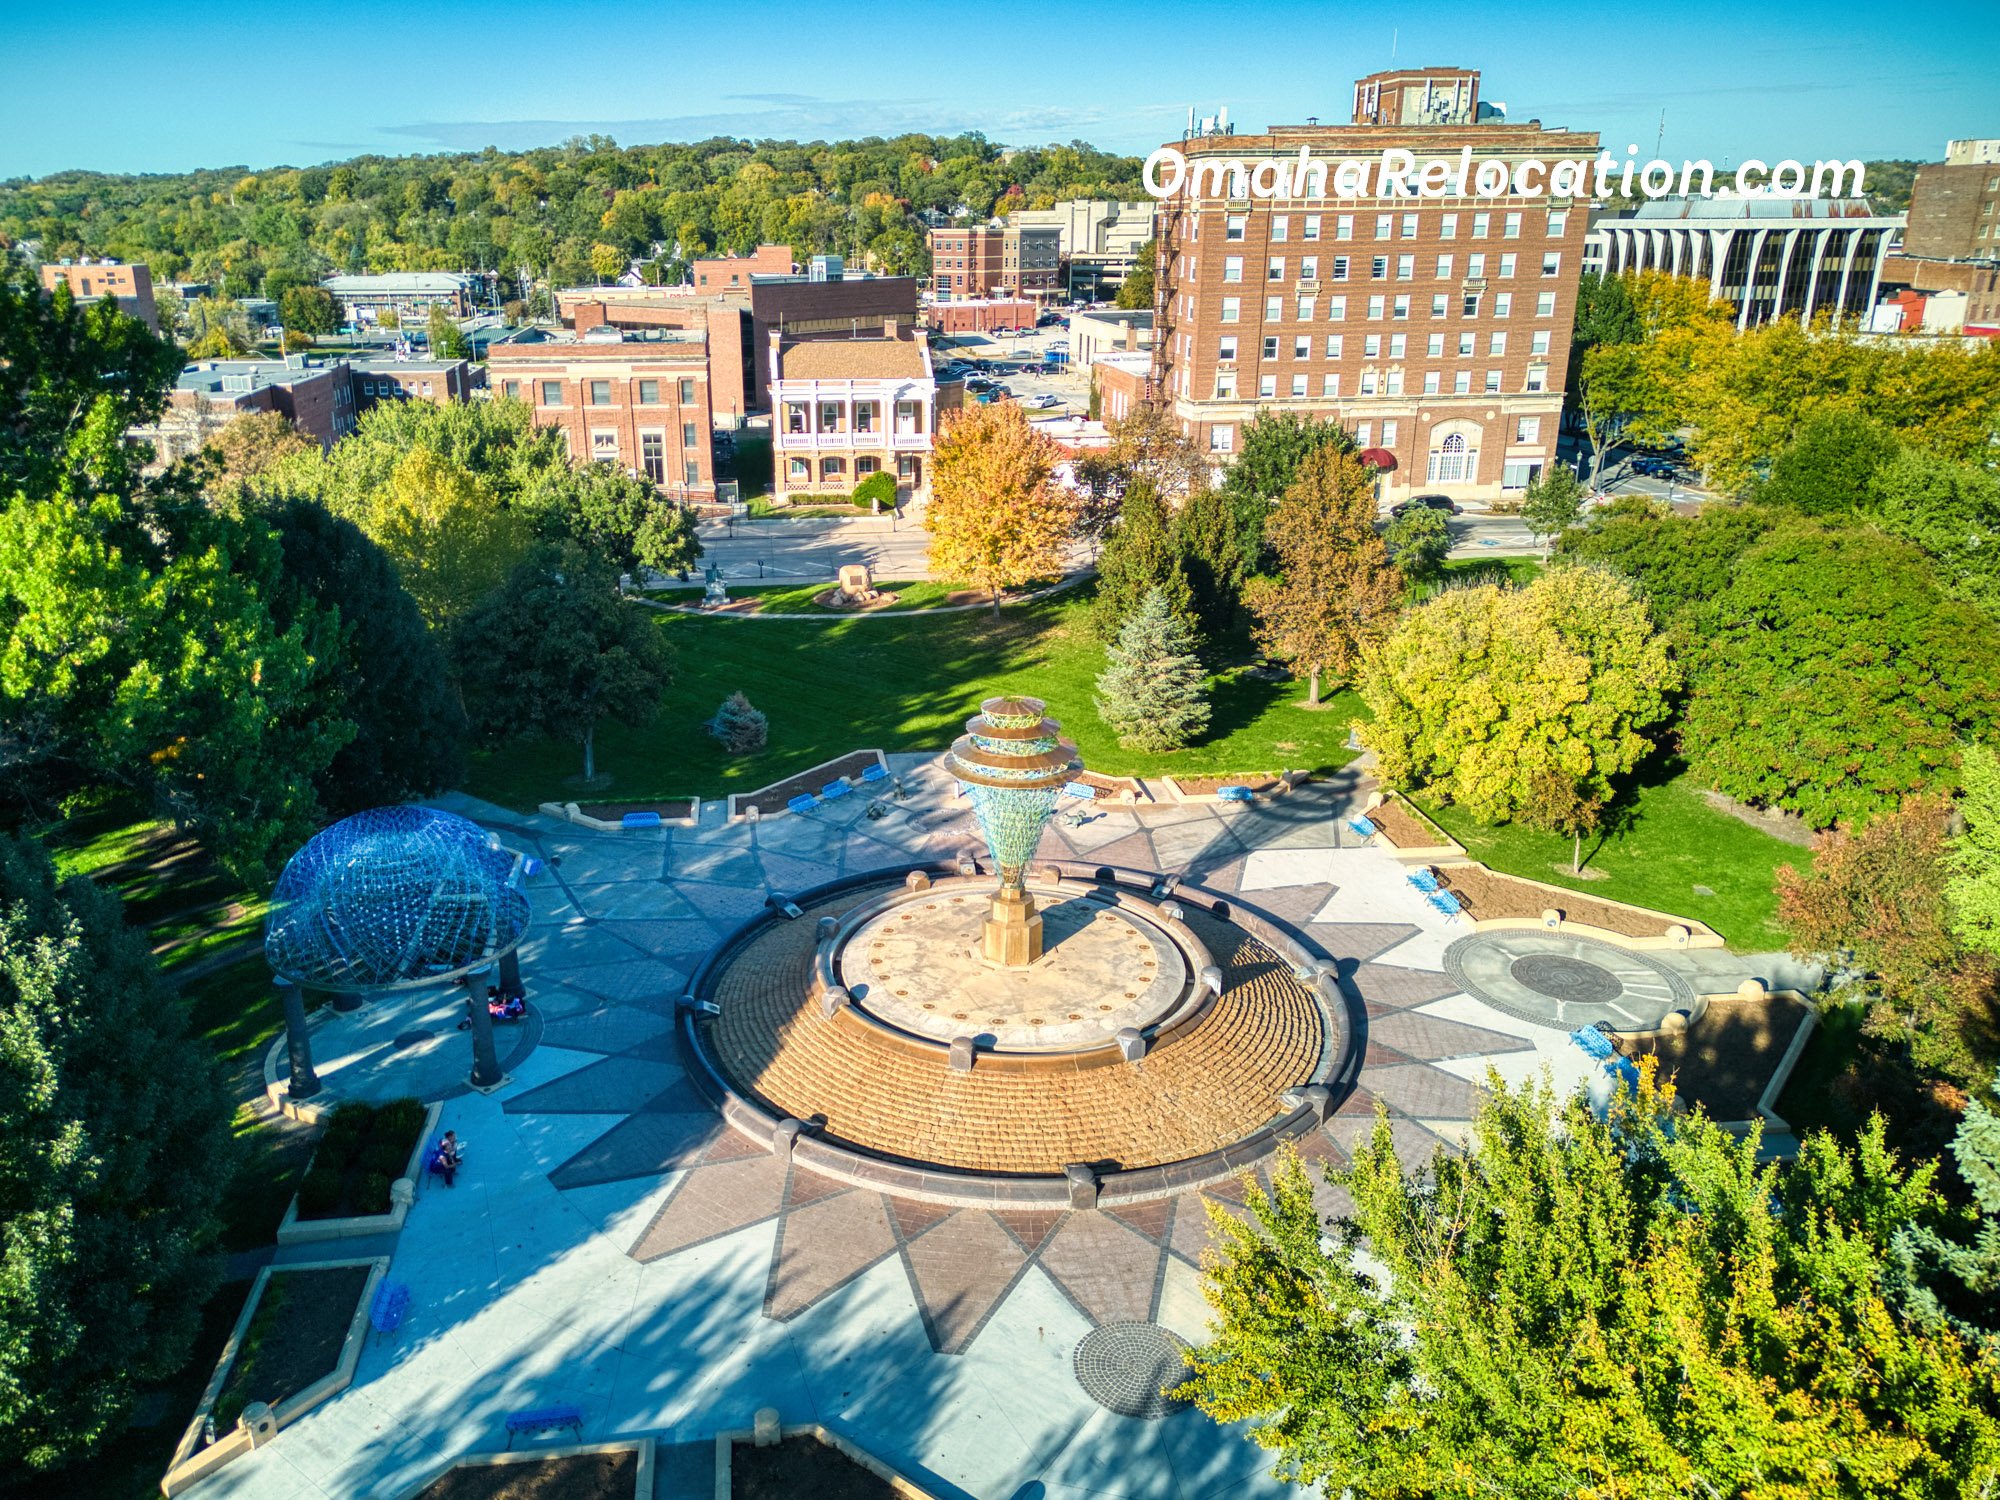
[1655, 466]
[1044, 402]
[1441, 503]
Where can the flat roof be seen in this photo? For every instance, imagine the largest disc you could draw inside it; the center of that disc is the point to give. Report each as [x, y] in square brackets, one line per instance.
[400, 281]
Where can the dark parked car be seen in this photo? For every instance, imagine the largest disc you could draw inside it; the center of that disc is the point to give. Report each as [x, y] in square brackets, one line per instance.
[1441, 503]
[1655, 466]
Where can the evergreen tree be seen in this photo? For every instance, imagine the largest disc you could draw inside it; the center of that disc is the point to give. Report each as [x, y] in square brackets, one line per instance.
[114, 1152]
[742, 729]
[1152, 690]
[1943, 1280]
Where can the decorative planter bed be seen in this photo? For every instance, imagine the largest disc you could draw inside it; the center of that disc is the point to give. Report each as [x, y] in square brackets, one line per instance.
[1410, 831]
[1489, 897]
[1209, 788]
[596, 1471]
[358, 1197]
[625, 816]
[792, 1463]
[295, 1344]
[771, 800]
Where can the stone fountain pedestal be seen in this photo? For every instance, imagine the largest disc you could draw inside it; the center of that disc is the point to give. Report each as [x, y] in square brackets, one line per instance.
[1013, 931]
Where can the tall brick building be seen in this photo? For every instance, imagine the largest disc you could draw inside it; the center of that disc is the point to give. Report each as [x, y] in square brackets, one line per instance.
[986, 260]
[638, 401]
[1952, 240]
[1436, 330]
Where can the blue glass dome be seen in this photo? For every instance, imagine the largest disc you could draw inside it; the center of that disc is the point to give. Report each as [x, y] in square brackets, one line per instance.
[393, 897]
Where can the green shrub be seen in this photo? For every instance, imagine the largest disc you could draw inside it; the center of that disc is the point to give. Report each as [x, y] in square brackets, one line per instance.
[383, 1157]
[881, 485]
[399, 1120]
[319, 1192]
[373, 1195]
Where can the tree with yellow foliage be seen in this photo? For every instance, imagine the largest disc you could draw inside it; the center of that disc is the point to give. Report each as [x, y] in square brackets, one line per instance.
[997, 518]
[443, 524]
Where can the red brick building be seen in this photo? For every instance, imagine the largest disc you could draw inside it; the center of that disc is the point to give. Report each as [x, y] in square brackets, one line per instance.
[1436, 329]
[317, 396]
[732, 273]
[437, 381]
[996, 261]
[982, 314]
[640, 401]
[1952, 239]
[131, 286]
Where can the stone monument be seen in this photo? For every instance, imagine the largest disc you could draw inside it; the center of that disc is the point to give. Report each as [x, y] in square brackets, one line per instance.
[716, 594]
[856, 587]
[1013, 764]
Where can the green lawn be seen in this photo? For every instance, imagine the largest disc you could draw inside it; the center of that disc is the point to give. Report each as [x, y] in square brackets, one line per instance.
[900, 684]
[797, 599]
[762, 508]
[1672, 842]
[1517, 570]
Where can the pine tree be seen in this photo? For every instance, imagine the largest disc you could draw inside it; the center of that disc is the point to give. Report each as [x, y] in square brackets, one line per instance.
[1152, 692]
[742, 729]
[1940, 1280]
[1139, 556]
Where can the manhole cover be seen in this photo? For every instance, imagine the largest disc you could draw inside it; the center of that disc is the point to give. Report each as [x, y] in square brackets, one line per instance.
[1571, 980]
[1124, 1367]
[411, 1038]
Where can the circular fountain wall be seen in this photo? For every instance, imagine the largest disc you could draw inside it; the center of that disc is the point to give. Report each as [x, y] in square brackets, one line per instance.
[915, 962]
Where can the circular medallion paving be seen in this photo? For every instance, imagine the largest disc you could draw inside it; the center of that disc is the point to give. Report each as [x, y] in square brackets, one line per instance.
[1551, 979]
[1128, 1367]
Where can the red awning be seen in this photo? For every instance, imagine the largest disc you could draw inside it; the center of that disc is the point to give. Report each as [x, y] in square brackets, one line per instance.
[1382, 458]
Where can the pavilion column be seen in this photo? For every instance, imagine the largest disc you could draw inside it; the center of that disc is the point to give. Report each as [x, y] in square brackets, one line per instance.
[298, 1046]
[485, 1061]
[510, 972]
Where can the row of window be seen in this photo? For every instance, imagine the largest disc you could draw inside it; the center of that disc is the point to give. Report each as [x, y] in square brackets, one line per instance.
[1379, 383]
[1222, 439]
[1387, 226]
[1380, 305]
[389, 387]
[799, 470]
[652, 453]
[597, 392]
[867, 414]
[1378, 267]
[1372, 345]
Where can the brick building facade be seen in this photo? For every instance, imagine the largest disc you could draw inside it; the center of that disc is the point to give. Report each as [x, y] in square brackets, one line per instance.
[985, 260]
[732, 273]
[640, 401]
[1952, 240]
[1437, 330]
[131, 286]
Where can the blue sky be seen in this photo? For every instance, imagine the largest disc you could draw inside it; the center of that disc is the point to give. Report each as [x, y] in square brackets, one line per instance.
[146, 87]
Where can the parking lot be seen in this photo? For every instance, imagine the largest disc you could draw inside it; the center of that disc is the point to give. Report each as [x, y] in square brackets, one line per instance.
[1000, 360]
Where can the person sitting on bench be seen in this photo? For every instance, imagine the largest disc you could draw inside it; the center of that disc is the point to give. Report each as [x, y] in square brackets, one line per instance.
[505, 1007]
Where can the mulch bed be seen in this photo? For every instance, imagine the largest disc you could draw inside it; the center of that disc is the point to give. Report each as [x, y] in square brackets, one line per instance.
[773, 798]
[294, 1337]
[1486, 896]
[1405, 829]
[1106, 786]
[1262, 783]
[1726, 1058]
[580, 1476]
[611, 812]
[800, 1467]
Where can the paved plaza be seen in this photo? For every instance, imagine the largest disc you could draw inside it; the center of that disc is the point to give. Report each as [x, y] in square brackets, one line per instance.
[613, 1244]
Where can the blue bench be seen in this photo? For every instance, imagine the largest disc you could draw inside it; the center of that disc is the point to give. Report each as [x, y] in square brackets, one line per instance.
[391, 1304]
[877, 772]
[1235, 794]
[805, 802]
[1082, 790]
[545, 1419]
[1424, 881]
[641, 820]
[1593, 1042]
[838, 787]
[1444, 901]
[1362, 826]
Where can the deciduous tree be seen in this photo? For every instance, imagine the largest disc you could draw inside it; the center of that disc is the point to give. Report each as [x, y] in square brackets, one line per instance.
[1479, 690]
[1418, 541]
[1139, 556]
[997, 519]
[1553, 502]
[1336, 592]
[1974, 889]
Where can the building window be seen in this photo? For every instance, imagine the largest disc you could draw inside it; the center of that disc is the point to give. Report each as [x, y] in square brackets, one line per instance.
[1377, 306]
[1303, 310]
[1539, 343]
[1406, 268]
[1368, 379]
[1430, 382]
[1232, 310]
[1225, 385]
[687, 393]
[1448, 227]
[1503, 304]
[1267, 387]
[1506, 266]
[600, 393]
[1334, 344]
[1340, 268]
[1496, 343]
[1444, 268]
[1402, 306]
[831, 417]
[1364, 433]
[552, 393]
[1475, 267]
[1275, 271]
[1434, 346]
[1233, 229]
[1299, 387]
[1336, 309]
[1492, 382]
[864, 416]
[1552, 263]
[1558, 222]
[1302, 346]
[1371, 346]
[801, 469]
[1274, 309]
[1468, 306]
[1378, 268]
[1452, 462]
[691, 473]
[1329, 385]
[1479, 224]
[1398, 344]
[1311, 227]
[1528, 429]
[1510, 228]
[865, 465]
[1343, 227]
[653, 456]
[1461, 383]
[649, 393]
[1225, 348]
[795, 417]
[1409, 226]
[1392, 383]
[1221, 439]
[511, 389]
[690, 434]
[1440, 302]
[1280, 227]
[604, 446]
[1538, 378]
[1545, 304]
[1232, 268]
[1388, 434]
[1309, 268]
[1271, 346]
[832, 468]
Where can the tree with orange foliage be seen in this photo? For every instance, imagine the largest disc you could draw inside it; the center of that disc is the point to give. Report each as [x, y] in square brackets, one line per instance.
[1336, 590]
[997, 518]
